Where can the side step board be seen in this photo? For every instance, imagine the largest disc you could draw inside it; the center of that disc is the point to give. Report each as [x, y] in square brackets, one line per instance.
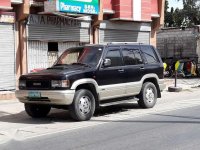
[116, 102]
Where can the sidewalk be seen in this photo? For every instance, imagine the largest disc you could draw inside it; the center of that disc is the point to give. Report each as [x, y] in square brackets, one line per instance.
[184, 83]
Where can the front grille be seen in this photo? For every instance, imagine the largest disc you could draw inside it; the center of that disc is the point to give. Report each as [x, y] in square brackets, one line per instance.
[38, 84]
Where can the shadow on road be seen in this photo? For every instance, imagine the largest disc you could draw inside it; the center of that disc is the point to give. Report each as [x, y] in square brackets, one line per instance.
[115, 109]
[59, 115]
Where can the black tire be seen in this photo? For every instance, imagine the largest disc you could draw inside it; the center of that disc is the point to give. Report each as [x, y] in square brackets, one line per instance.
[83, 105]
[37, 111]
[148, 95]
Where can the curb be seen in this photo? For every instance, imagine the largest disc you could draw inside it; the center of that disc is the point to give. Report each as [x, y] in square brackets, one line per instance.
[7, 95]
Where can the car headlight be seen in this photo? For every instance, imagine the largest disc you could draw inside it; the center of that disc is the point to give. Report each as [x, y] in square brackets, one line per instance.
[60, 83]
[22, 83]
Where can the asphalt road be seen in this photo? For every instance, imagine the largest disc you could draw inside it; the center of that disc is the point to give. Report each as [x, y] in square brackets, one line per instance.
[172, 125]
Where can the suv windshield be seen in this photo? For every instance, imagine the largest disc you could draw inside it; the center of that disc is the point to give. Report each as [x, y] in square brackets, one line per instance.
[81, 56]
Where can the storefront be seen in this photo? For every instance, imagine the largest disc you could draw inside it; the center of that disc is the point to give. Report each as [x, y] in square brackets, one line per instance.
[7, 51]
[48, 36]
[120, 31]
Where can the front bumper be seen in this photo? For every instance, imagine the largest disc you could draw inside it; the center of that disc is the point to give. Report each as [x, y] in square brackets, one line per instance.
[47, 97]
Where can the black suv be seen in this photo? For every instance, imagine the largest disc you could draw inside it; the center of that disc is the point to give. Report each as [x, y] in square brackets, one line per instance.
[86, 77]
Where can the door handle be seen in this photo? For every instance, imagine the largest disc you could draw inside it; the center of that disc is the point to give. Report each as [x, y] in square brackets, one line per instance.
[141, 68]
[121, 70]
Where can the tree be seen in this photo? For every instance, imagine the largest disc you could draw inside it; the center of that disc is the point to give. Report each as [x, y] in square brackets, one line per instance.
[188, 16]
[169, 21]
[191, 12]
[178, 17]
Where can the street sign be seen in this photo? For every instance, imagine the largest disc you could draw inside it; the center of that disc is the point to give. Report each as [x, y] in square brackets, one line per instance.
[78, 6]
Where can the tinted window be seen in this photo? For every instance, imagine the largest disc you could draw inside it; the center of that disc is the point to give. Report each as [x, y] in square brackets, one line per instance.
[115, 57]
[138, 57]
[85, 55]
[149, 54]
[131, 56]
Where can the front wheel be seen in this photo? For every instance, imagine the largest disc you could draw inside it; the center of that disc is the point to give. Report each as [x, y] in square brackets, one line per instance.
[83, 105]
[37, 111]
[148, 95]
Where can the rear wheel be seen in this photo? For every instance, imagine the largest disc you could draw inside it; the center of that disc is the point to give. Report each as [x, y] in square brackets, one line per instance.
[37, 111]
[83, 105]
[148, 95]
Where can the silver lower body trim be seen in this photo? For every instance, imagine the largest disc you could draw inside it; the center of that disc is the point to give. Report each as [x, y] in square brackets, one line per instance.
[50, 97]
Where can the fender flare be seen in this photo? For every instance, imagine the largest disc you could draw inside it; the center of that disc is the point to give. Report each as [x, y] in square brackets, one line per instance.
[85, 81]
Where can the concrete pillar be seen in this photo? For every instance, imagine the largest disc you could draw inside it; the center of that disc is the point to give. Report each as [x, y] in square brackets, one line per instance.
[157, 22]
[22, 13]
[23, 47]
[96, 22]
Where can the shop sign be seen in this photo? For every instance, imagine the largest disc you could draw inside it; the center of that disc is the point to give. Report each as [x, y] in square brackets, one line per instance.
[78, 6]
[53, 20]
[7, 17]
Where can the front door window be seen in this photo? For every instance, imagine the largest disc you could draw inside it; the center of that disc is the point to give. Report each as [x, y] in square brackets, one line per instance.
[115, 57]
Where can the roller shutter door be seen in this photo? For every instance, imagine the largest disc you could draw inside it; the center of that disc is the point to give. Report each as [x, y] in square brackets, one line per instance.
[7, 57]
[49, 33]
[37, 53]
[112, 35]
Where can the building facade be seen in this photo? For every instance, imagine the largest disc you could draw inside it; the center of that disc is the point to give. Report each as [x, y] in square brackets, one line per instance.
[138, 20]
[38, 31]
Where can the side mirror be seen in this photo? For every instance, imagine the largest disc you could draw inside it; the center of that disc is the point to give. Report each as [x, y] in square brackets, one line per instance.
[107, 62]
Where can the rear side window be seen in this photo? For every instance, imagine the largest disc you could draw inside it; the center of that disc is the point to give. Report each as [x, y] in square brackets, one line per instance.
[131, 56]
[149, 54]
[115, 57]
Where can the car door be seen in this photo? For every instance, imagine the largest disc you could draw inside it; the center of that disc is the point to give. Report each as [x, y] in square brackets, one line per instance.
[111, 78]
[134, 68]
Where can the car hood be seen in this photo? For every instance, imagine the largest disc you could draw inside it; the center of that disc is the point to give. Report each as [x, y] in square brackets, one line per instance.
[57, 72]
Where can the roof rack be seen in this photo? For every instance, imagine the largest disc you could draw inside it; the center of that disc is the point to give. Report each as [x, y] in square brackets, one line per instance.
[124, 43]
